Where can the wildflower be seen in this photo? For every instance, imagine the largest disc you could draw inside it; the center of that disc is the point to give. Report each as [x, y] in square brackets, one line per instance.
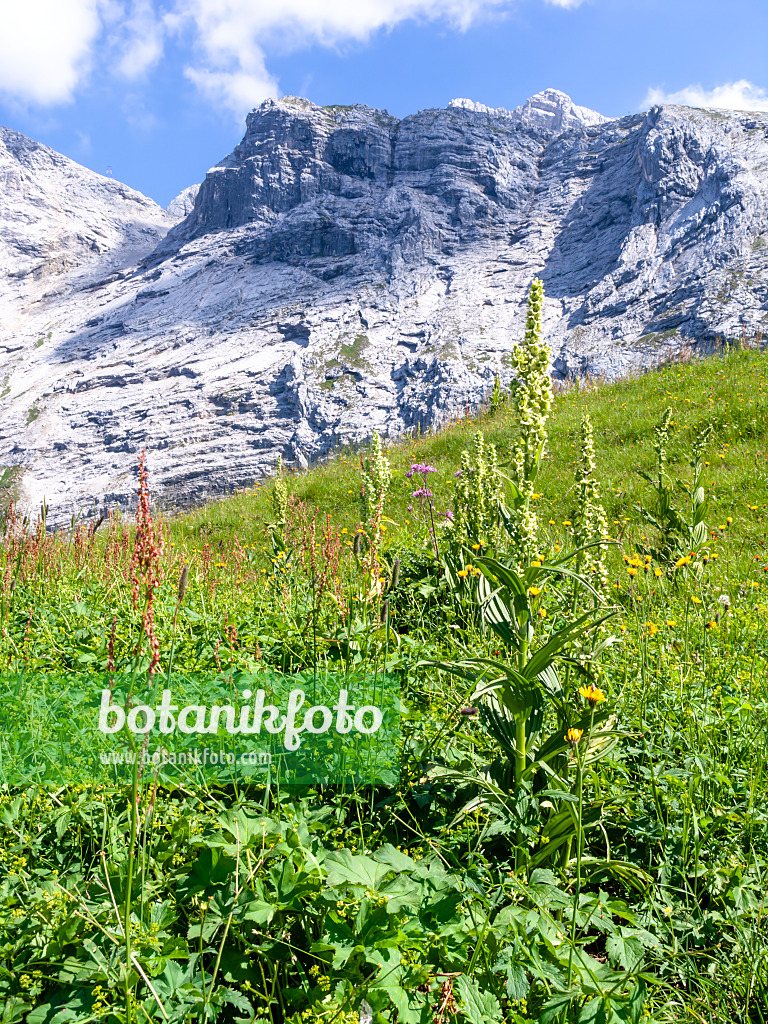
[632, 572]
[658, 572]
[533, 401]
[567, 522]
[543, 612]
[592, 694]
[463, 573]
[376, 474]
[573, 736]
[711, 624]
[534, 591]
[280, 495]
[725, 601]
[477, 494]
[696, 600]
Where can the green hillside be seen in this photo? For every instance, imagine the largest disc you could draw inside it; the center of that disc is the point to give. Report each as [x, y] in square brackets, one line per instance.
[574, 824]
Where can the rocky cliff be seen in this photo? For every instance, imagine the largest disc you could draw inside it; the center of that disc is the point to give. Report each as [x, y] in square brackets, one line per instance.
[343, 270]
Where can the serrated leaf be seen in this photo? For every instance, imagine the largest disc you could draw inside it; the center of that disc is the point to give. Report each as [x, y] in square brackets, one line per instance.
[478, 1007]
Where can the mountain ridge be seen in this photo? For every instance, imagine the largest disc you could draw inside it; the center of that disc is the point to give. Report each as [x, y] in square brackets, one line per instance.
[344, 270]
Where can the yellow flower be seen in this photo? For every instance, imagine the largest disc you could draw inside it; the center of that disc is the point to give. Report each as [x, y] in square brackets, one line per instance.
[534, 591]
[567, 522]
[592, 694]
[671, 622]
[722, 526]
[536, 565]
[573, 736]
[683, 560]
[729, 520]
[543, 612]
[552, 521]
[711, 624]
[462, 573]
[658, 572]
[696, 600]
[476, 547]
[632, 572]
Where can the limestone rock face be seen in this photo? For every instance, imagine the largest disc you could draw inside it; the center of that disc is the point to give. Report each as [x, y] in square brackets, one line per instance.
[343, 270]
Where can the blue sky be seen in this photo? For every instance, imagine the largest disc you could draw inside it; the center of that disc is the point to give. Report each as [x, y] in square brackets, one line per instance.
[158, 89]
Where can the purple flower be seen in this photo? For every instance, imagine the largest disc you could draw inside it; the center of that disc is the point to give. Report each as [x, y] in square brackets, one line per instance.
[422, 467]
[410, 508]
[448, 515]
[423, 492]
[409, 474]
[457, 473]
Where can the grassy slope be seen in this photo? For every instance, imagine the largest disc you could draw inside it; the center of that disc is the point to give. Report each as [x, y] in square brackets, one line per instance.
[731, 392]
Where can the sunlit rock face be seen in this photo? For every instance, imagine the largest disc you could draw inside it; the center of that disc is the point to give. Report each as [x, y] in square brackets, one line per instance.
[343, 270]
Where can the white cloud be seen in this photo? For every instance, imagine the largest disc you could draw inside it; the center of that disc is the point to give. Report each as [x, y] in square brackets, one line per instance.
[45, 47]
[741, 95]
[48, 47]
[142, 43]
[231, 35]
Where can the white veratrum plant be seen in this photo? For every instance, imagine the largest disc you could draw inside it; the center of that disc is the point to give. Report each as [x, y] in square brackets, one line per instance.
[376, 474]
[477, 497]
[590, 527]
[279, 499]
[532, 398]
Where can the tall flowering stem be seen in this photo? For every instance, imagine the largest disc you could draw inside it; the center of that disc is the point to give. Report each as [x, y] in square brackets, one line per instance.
[375, 476]
[146, 571]
[590, 525]
[426, 500]
[533, 401]
[280, 496]
[477, 495]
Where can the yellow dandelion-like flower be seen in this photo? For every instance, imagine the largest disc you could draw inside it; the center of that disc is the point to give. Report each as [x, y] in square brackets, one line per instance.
[534, 591]
[592, 694]
[632, 571]
[536, 565]
[696, 600]
[462, 573]
[658, 572]
[723, 526]
[567, 522]
[543, 612]
[729, 520]
[573, 736]
[711, 624]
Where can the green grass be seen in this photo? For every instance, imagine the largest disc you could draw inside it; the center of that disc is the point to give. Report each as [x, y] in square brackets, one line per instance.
[730, 392]
[626, 889]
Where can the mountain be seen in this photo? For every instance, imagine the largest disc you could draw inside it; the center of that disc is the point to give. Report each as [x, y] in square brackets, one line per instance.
[344, 270]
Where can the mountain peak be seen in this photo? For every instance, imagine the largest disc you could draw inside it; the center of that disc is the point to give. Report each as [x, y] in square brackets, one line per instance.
[550, 109]
[555, 110]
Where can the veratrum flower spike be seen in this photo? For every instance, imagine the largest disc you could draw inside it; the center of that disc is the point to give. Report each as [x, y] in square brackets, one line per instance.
[376, 474]
[590, 524]
[533, 401]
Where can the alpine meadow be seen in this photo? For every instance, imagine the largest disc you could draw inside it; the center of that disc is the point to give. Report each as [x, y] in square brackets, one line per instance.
[565, 592]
